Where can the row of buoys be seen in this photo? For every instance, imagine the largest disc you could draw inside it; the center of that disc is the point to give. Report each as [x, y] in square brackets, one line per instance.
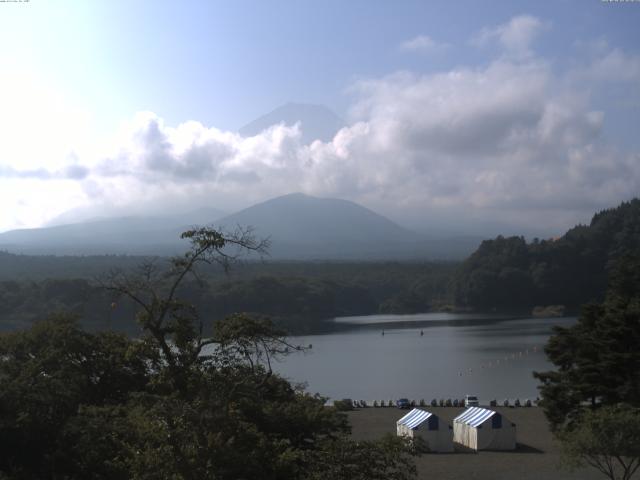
[421, 333]
[497, 362]
[493, 363]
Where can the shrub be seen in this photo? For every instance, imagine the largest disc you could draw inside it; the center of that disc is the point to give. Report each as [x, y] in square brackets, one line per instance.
[343, 405]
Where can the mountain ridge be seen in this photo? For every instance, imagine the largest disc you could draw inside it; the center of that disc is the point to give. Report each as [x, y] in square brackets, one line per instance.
[301, 227]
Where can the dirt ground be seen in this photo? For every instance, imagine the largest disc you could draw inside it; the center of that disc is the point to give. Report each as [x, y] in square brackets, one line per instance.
[537, 456]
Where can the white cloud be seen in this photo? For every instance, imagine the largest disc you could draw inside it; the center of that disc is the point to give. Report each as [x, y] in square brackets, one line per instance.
[500, 137]
[423, 43]
[615, 66]
[509, 136]
[512, 139]
[515, 36]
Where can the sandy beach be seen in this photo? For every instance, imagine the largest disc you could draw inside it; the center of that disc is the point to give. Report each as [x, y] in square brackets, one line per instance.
[537, 456]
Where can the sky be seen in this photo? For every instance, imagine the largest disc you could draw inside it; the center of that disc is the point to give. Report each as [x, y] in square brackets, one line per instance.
[491, 117]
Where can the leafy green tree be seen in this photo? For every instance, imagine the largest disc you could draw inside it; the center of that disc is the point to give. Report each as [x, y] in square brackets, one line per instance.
[509, 273]
[598, 359]
[386, 459]
[608, 439]
[46, 374]
[592, 399]
[174, 404]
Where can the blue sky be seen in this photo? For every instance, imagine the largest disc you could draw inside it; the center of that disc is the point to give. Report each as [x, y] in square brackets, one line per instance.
[563, 110]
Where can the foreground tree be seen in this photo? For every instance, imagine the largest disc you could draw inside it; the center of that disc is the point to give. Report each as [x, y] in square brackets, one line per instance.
[608, 439]
[167, 321]
[598, 358]
[176, 403]
[386, 459]
[592, 399]
[47, 374]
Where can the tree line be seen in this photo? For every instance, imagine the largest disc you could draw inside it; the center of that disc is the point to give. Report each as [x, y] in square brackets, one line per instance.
[297, 297]
[509, 273]
[592, 397]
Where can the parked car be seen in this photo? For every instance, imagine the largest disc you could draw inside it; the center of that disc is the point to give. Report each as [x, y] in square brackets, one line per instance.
[403, 403]
[471, 401]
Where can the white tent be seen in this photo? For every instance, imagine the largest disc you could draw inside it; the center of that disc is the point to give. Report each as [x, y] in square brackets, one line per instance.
[419, 423]
[481, 429]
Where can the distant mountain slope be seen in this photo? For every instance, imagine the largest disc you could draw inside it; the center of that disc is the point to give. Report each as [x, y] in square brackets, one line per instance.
[311, 220]
[305, 227]
[316, 122]
[507, 273]
[300, 227]
[123, 235]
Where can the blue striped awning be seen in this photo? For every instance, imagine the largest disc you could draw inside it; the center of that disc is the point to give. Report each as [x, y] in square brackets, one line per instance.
[474, 416]
[414, 418]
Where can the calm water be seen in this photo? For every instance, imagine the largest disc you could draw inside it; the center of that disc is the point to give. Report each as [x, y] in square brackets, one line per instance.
[458, 354]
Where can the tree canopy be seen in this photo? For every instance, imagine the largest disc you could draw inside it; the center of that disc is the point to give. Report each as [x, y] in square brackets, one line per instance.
[597, 359]
[510, 273]
[608, 439]
[176, 403]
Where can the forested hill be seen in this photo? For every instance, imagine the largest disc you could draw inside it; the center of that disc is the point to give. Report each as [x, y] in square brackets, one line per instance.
[298, 296]
[509, 273]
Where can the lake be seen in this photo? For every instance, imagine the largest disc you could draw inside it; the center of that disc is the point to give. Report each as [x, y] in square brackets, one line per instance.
[457, 354]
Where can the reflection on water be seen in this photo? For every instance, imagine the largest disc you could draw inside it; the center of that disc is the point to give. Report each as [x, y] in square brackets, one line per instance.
[420, 320]
[492, 357]
[418, 317]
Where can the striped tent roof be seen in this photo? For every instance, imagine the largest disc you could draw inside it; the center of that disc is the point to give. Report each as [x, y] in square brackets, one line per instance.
[414, 418]
[474, 416]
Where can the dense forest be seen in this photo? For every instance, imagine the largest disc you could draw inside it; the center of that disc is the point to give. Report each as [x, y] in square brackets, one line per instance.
[177, 402]
[504, 274]
[297, 296]
[511, 274]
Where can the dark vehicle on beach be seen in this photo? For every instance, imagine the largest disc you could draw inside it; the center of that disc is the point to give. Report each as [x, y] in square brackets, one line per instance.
[403, 403]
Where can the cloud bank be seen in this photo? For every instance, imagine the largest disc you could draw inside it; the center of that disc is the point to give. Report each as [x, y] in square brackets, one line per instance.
[511, 140]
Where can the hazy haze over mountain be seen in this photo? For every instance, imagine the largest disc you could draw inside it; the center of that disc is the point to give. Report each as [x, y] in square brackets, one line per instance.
[313, 220]
[299, 227]
[119, 235]
[305, 227]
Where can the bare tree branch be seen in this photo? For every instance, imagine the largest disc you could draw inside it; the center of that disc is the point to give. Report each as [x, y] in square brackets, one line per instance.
[173, 324]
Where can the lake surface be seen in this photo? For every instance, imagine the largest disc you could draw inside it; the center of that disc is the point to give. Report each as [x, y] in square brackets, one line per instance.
[457, 354]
